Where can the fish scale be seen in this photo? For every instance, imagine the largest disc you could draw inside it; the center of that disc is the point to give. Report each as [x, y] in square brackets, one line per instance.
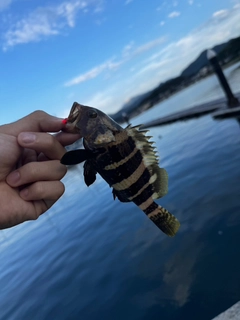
[126, 160]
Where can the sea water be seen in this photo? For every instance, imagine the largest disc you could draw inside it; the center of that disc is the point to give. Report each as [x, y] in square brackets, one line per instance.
[91, 258]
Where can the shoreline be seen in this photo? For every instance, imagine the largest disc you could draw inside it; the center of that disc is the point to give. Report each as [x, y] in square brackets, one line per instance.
[218, 108]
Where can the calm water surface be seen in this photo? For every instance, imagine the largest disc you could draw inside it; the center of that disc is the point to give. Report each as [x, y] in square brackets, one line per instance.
[93, 258]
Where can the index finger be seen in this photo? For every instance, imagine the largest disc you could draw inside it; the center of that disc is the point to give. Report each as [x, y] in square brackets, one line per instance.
[38, 121]
[67, 138]
[42, 142]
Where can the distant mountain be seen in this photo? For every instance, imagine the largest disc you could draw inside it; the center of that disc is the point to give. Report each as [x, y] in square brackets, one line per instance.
[226, 52]
[231, 50]
[129, 107]
[201, 61]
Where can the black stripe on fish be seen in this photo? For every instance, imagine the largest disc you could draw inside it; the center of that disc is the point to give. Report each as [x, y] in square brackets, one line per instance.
[144, 195]
[124, 170]
[135, 187]
[150, 208]
[115, 153]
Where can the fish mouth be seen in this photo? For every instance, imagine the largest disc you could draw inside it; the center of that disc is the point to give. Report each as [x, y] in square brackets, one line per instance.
[74, 112]
[73, 119]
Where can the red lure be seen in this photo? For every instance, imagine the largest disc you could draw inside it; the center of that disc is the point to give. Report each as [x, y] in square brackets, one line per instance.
[64, 121]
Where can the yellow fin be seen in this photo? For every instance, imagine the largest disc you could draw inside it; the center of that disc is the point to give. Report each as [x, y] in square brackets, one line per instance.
[165, 221]
[160, 185]
[144, 145]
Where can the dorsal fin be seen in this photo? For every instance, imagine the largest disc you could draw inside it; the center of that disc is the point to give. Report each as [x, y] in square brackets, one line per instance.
[159, 176]
[144, 145]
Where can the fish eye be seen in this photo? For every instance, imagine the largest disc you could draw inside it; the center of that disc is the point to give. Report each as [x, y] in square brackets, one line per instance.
[92, 114]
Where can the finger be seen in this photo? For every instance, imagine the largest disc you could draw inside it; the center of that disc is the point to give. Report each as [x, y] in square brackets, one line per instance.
[42, 142]
[10, 154]
[42, 157]
[49, 191]
[38, 121]
[29, 155]
[67, 138]
[36, 171]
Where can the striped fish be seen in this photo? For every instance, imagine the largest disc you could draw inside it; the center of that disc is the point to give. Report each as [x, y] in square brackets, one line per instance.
[126, 160]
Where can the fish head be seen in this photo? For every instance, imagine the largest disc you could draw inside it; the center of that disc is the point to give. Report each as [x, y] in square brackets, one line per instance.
[93, 125]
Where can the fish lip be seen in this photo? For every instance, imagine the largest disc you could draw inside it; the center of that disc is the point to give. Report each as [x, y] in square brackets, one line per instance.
[74, 112]
[73, 118]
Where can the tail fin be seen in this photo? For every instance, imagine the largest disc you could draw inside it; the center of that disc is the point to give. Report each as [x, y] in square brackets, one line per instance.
[164, 220]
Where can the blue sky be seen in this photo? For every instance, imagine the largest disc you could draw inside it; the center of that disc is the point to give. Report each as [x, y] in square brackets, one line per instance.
[100, 53]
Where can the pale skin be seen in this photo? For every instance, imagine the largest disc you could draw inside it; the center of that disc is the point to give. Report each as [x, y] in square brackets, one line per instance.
[30, 170]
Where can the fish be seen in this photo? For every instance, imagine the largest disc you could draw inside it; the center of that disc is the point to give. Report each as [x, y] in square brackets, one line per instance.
[125, 158]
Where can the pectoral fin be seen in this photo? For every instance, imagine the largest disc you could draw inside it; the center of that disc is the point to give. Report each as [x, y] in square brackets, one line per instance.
[120, 196]
[76, 156]
[89, 173]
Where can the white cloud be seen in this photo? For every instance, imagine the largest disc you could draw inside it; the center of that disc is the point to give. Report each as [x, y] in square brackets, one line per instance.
[167, 62]
[128, 52]
[220, 14]
[93, 73]
[4, 4]
[149, 45]
[174, 14]
[45, 22]
[128, 1]
[164, 5]
[99, 6]
[102, 99]
[162, 23]
[28, 31]
[127, 49]
[175, 56]
[190, 2]
[69, 11]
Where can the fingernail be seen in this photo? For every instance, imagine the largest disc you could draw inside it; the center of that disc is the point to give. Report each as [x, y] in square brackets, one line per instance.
[13, 177]
[27, 137]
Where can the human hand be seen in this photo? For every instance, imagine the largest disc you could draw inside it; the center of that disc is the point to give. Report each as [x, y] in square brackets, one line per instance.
[30, 170]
